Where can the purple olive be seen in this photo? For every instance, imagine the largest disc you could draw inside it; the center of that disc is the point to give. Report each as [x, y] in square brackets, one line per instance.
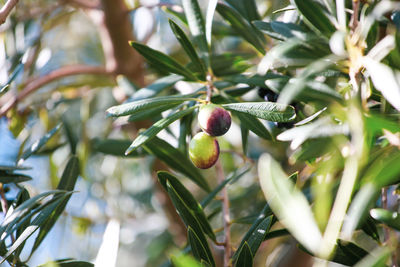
[214, 120]
[203, 150]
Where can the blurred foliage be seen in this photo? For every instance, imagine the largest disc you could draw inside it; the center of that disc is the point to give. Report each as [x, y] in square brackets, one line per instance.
[310, 167]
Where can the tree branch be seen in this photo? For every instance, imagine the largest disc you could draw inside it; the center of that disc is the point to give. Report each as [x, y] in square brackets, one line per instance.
[6, 9]
[36, 83]
[225, 215]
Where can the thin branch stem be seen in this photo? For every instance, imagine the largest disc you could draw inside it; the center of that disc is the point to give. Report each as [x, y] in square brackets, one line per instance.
[4, 206]
[354, 17]
[210, 87]
[6, 9]
[384, 205]
[38, 82]
[225, 215]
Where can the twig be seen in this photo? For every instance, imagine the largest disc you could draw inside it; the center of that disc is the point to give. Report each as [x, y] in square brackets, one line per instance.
[384, 205]
[225, 215]
[4, 206]
[36, 83]
[210, 87]
[3, 200]
[354, 16]
[6, 9]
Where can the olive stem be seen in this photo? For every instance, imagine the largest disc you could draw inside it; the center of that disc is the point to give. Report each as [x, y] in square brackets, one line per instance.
[210, 86]
[225, 215]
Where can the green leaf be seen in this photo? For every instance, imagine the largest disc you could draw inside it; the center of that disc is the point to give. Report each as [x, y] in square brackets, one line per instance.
[146, 135]
[150, 114]
[237, 174]
[4, 88]
[189, 49]
[115, 147]
[245, 138]
[14, 216]
[156, 87]
[190, 207]
[288, 203]
[377, 258]
[162, 60]
[258, 234]
[362, 202]
[385, 79]
[6, 178]
[241, 26]
[262, 222]
[212, 4]
[264, 110]
[230, 63]
[67, 183]
[177, 160]
[302, 89]
[67, 263]
[196, 25]
[70, 133]
[284, 55]
[245, 258]
[200, 250]
[348, 253]
[315, 16]
[36, 223]
[276, 233]
[38, 144]
[281, 30]
[321, 128]
[247, 8]
[390, 218]
[253, 124]
[369, 227]
[144, 105]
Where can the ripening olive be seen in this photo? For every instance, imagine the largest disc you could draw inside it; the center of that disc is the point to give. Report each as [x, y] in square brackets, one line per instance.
[203, 150]
[214, 119]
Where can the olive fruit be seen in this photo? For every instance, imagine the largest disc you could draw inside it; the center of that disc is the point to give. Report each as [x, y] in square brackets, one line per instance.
[203, 150]
[214, 119]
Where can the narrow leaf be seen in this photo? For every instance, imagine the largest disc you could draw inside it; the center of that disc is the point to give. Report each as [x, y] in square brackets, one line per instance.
[146, 135]
[288, 203]
[196, 24]
[241, 26]
[264, 110]
[385, 79]
[115, 147]
[162, 60]
[175, 159]
[200, 250]
[245, 258]
[139, 106]
[36, 223]
[212, 4]
[189, 49]
[67, 183]
[377, 258]
[387, 217]
[315, 16]
[172, 184]
[237, 174]
[254, 125]
[6, 178]
[156, 87]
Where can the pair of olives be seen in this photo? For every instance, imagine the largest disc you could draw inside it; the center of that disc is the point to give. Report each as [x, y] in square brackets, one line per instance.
[204, 148]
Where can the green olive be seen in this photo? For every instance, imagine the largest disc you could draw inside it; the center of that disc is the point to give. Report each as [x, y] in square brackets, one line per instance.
[203, 150]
